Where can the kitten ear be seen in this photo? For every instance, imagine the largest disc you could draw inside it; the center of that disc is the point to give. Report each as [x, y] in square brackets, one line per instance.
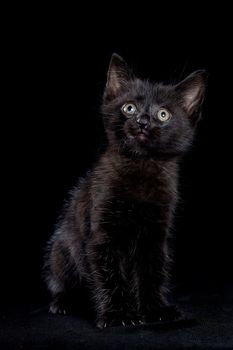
[118, 76]
[191, 91]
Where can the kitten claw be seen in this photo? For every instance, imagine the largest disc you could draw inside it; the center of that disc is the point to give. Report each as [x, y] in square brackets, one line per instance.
[56, 308]
[123, 323]
[54, 311]
[51, 310]
[132, 322]
[101, 325]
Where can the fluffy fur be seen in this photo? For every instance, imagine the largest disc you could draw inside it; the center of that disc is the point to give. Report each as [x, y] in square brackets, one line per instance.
[112, 238]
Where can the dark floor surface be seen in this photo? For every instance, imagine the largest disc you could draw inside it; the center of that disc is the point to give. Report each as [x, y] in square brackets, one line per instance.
[208, 325]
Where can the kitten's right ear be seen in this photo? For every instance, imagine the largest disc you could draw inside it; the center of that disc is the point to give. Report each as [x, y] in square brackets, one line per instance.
[192, 90]
[119, 75]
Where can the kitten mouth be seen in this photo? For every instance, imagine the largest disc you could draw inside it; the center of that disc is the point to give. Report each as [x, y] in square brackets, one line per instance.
[142, 136]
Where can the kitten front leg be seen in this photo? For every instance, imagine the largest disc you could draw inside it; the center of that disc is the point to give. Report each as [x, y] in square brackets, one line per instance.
[104, 280]
[152, 293]
[153, 287]
[109, 289]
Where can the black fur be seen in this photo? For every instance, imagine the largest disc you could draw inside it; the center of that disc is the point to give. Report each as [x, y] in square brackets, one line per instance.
[112, 239]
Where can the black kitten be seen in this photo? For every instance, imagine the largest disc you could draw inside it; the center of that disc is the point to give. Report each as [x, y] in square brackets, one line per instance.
[112, 239]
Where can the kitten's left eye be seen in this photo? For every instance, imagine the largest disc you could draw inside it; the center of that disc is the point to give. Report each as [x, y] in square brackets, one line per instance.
[163, 115]
[129, 109]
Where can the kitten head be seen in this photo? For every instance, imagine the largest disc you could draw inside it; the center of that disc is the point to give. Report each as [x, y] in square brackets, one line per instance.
[148, 120]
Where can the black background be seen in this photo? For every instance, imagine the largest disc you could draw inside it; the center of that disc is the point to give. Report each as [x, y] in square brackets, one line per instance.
[56, 70]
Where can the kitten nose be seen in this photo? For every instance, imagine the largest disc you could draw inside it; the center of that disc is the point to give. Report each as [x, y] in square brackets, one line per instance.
[143, 121]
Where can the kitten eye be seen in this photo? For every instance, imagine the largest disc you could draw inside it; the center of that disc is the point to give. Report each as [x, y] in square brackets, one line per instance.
[163, 115]
[129, 109]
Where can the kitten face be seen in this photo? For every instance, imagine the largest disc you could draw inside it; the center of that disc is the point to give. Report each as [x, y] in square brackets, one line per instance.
[145, 119]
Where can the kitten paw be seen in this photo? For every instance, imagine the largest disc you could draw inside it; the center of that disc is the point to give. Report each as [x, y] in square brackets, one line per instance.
[111, 323]
[131, 322]
[137, 322]
[117, 321]
[57, 310]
